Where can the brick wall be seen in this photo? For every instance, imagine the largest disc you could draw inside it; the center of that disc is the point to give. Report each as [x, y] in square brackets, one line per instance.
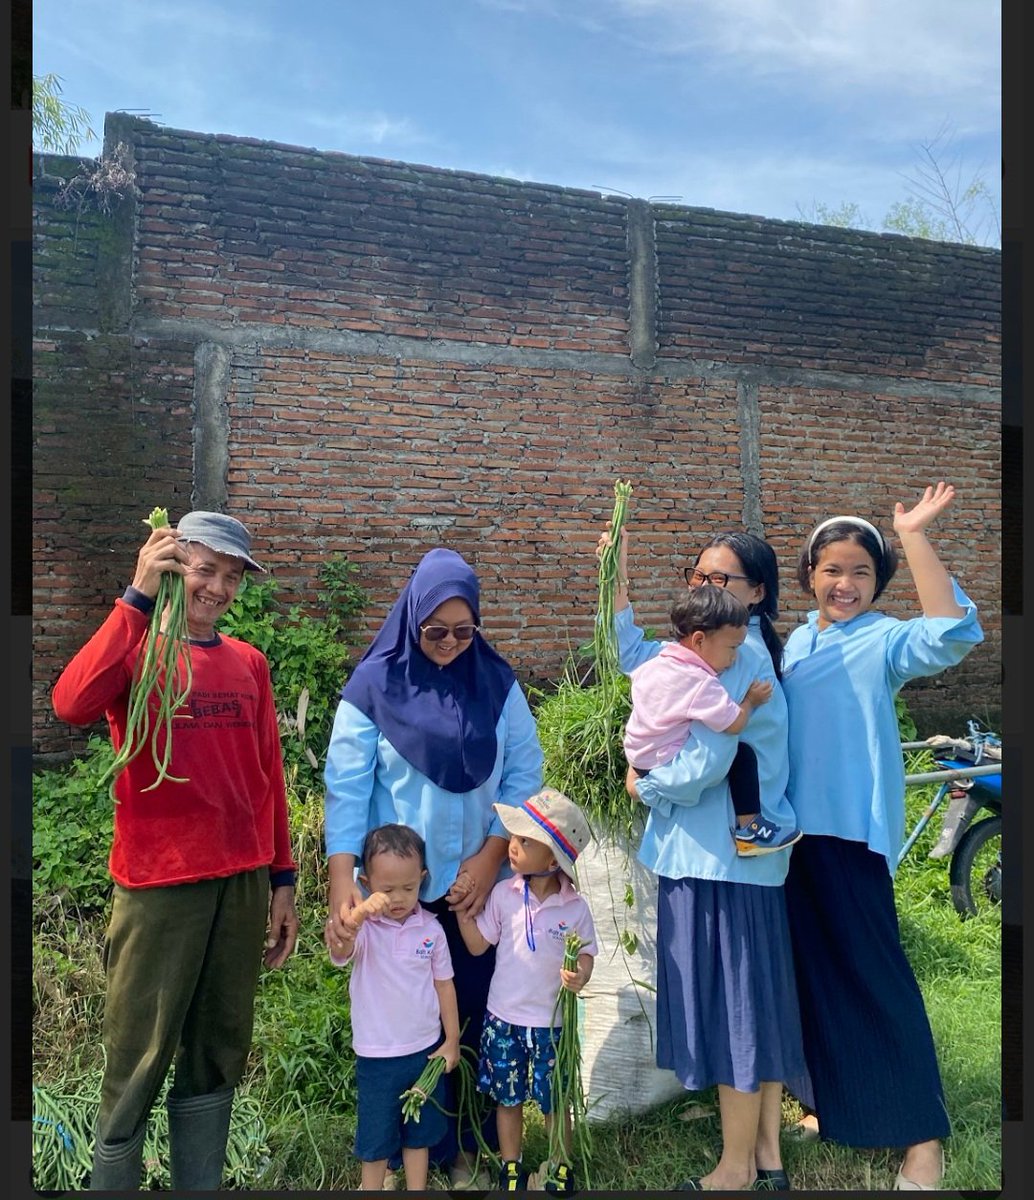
[374, 358]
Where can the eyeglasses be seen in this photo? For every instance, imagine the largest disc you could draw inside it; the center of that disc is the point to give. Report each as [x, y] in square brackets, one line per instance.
[462, 633]
[718, 578]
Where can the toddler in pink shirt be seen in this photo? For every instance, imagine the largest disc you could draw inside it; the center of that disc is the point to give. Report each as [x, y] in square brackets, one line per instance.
[680, 685]
[527, 918]
[403, 1003]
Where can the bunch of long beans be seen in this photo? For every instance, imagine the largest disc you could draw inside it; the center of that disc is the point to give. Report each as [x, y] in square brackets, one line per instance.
[604, 643]
[62, 1140]
[566, 1091]
[470, 1104]
[414, 1098]
[63, 1128]
[609, 683]
[162, 671]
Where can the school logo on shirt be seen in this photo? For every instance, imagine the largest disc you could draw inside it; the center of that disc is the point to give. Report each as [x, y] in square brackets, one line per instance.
[425, 948]
[560, 932]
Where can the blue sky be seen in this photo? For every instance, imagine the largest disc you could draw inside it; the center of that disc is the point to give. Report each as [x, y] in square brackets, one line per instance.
[768, 107]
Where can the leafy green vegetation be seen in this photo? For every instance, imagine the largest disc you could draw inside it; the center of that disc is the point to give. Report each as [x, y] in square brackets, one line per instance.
[308, 651]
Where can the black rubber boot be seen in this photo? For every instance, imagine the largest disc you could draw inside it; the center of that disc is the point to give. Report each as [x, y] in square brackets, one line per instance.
[117, 1166]
[198, 1129]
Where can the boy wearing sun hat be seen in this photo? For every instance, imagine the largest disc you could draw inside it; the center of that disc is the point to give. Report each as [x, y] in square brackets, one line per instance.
[528, 918]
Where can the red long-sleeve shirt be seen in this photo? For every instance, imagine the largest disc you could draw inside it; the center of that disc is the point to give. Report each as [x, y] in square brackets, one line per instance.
[231, 814]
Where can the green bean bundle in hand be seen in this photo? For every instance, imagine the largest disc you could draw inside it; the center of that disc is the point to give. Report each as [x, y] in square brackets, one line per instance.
[604, 643]
[566, 1090]
[414, 1098]
[162, 671]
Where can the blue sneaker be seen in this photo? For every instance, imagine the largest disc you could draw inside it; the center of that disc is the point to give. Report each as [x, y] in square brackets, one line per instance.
[763, 837]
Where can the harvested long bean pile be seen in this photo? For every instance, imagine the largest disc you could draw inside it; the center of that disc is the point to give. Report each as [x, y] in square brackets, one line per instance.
[162, 671]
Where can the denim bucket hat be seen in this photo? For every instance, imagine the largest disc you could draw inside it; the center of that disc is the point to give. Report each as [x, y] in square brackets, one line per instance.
[221, 533]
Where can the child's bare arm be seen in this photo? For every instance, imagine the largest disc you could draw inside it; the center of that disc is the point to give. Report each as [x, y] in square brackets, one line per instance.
[473, 938]
[759, 692]
[447, 1002]
[930, 576]
[372, 906]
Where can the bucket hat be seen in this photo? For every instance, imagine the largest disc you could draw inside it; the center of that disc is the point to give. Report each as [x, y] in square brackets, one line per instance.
[221, 533]
[551, 818]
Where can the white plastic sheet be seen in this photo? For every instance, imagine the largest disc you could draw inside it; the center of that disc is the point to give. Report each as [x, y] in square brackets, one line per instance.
[617, 1009]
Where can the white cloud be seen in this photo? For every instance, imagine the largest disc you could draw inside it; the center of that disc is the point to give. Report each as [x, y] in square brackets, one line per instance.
[377, 128]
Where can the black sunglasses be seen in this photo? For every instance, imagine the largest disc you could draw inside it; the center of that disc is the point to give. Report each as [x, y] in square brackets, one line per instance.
[436, 633]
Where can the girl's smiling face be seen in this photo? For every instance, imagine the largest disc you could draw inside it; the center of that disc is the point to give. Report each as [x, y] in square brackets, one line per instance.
[843, 580]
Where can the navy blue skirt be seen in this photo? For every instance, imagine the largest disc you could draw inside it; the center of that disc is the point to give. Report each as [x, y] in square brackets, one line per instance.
[867, 1039]
[726, 997]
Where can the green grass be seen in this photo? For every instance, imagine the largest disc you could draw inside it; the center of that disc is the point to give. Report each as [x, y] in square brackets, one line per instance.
[295, 1118]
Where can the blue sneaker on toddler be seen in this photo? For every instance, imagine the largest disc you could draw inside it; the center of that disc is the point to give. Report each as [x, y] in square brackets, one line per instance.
[763, 837]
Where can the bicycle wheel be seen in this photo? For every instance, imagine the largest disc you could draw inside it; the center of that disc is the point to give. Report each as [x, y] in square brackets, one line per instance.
[976, 868]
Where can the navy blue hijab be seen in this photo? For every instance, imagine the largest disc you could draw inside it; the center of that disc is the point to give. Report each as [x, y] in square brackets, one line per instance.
[442, 720]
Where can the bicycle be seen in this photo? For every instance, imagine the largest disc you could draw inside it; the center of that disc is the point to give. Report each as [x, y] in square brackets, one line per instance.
[970, 778]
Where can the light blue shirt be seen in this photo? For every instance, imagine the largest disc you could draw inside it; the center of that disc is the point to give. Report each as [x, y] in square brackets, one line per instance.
[847, 773]
[688, 830]
[368, 783]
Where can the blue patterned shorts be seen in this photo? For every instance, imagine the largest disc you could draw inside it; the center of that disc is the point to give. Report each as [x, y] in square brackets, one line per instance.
[516, 1062]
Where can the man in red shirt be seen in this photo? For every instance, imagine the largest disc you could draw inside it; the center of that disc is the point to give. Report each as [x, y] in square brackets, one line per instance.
[201, 863]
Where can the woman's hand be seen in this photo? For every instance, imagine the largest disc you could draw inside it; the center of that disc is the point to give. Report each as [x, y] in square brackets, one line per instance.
[934, 501]
[631, 778]
[604, 542]
[345, 894]
[621, 583]
[482, 869]
[462, 886]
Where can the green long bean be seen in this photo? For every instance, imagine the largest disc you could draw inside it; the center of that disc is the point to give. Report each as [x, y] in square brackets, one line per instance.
[566, 1088]
[162, 678]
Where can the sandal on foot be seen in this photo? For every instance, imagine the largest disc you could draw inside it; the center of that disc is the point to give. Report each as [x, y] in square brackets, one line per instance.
[771, 1181]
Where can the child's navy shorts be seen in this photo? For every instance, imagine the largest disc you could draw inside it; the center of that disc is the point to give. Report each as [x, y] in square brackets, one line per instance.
[516, 1062]
[380, 1131]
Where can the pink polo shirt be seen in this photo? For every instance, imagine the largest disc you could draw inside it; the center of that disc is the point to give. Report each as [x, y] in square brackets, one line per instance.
[395, 1007]
[669, 692]
[526, 982]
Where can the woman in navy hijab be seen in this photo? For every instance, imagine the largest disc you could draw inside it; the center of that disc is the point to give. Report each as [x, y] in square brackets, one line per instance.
[431, 730]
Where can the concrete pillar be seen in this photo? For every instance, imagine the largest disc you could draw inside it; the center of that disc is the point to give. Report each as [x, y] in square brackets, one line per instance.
[211, 425]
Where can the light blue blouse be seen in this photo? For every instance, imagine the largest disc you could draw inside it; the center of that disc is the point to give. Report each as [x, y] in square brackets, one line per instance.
[368, 783]
[847, 774]
[688, 830]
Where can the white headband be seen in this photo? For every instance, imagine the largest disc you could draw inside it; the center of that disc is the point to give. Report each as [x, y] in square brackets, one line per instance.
[851, 521]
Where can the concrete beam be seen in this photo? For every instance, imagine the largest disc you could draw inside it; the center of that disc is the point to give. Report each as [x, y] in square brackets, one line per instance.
[642, 285]
[347, 343]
